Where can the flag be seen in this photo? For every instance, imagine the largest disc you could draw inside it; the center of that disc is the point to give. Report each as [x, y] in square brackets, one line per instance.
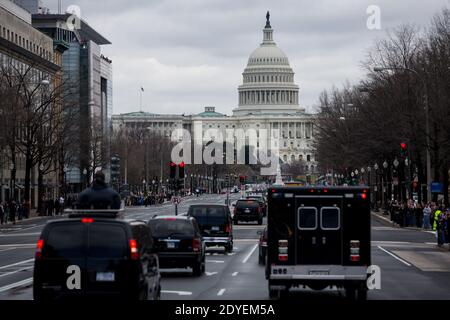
[142, 89]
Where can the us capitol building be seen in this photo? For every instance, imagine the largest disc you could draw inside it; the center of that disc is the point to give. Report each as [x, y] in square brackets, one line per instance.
[268, 99]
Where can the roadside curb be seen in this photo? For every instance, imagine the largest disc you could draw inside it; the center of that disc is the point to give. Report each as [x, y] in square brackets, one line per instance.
[386, 220]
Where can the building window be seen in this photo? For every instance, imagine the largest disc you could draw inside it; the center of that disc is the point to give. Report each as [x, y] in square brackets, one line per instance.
[308, 158]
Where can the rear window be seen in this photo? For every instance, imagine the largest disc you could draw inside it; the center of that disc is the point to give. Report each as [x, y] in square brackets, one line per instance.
[247, 203]
[208, 215]
[65, 241]
[171, 227]
[107, 241]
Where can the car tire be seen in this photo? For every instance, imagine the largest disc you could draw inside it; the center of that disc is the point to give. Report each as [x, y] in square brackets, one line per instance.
[362, 294]
[350, 293]
[229, 248]
[198, 269]
[261, 260]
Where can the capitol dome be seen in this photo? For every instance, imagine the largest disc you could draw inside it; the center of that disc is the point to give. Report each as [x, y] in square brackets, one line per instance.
[268, 80]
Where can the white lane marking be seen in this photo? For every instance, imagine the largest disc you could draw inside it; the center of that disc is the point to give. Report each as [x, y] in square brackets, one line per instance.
[210, 273]
[215, 261]
[394, 256]
[16, 264]
[8, 249]
[250, 253]
[18, 245]
[16, 284]
[234, 274]
[245, 240]
[221, 292]
[16, 271]
[20, 234]
[391, 242]
[429, 231]
[180, 293]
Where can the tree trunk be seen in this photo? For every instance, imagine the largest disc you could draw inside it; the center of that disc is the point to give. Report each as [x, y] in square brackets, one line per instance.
[28, 167]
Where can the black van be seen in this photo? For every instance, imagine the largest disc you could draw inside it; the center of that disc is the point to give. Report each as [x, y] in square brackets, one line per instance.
[215, 223]
[179, 243]
[114, 258]
[317, 237]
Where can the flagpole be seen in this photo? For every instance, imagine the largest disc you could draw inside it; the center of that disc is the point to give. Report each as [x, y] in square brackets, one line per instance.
[140, 103]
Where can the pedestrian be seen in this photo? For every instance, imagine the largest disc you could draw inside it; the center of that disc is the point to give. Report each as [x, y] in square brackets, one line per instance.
[12, 211]
[426, 216]
[50, 206]
[61, 204]
[57, 207]
[440, 225]
[2, 213]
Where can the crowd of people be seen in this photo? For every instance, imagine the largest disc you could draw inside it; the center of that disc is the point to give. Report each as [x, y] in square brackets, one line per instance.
[50, 206]
[12, 211]
[147, 200]
[428, 216]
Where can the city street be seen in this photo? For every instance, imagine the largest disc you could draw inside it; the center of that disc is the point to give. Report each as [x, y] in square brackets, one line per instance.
[412, 267]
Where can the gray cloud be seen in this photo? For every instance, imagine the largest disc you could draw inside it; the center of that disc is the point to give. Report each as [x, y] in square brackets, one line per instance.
[191, 53]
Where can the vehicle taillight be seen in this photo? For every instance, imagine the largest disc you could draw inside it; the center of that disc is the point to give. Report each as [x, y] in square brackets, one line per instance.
[227, 228]
[39, 246]
[258, 210]
[134, 253]
[87, 220]
[354, 250]
[283, 250]
[196, 245]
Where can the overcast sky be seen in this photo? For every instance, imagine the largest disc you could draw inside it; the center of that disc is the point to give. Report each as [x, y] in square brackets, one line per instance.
[188, 54]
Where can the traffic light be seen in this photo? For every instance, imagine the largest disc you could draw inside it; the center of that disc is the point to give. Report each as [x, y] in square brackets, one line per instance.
[173, 170]
[404, 151]
[181, 170]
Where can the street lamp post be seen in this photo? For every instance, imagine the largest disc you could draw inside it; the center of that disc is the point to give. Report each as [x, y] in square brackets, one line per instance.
[12, 167]
[376, 186]
[85, 177]
[427, 120]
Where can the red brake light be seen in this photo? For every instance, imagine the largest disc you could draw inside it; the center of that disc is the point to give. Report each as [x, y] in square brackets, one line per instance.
[227, 228]
[325, 190]
[283, 257]
[196, 245]
[312, 190]
[134, 253]
[87, 220]
[364, 196]
[39, 246]
[170, 219]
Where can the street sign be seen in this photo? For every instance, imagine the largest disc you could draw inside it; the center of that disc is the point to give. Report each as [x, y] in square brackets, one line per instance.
[176, 200]
[437, 187]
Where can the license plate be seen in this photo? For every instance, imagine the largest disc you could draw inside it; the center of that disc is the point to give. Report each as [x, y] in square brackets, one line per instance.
[170, 245]
[319, 273]
[105, 276]
[247, 210]
[215, 228]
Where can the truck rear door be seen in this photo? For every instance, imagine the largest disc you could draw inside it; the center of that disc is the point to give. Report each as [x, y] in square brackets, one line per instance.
[318, 231]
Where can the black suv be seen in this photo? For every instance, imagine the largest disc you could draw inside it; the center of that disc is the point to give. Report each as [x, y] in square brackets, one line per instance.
[88, 256]
[179, 243]
[247, 210]
[215, 223]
